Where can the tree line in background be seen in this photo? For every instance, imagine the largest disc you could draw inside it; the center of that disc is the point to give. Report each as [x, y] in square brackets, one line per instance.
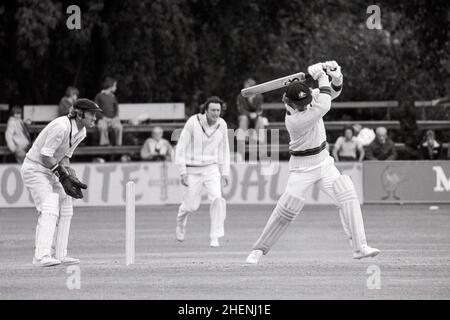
[186, 50]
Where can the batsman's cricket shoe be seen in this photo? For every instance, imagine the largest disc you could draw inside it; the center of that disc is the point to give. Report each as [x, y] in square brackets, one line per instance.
[365, 252]
[67, 261]
[45, 261]
[254, 256]
[214, 242]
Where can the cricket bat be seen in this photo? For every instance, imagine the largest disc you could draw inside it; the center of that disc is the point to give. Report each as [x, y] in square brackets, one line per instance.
[275, 84]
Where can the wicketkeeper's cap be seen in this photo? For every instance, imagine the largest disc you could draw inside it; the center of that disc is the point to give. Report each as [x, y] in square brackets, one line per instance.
[86, 105]
[299, 94]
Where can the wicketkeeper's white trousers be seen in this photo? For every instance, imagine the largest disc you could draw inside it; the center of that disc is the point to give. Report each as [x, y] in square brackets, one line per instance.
[54, 207]
[41, 182]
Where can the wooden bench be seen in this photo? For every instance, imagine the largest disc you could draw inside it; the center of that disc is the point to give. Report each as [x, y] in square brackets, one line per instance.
[92, 151]
[346, 105]
[127, 111]
[169, 126]
[427, 105]
[284, 148]
[340, 125]
[433, 124]
[98, 150]
[425, 124]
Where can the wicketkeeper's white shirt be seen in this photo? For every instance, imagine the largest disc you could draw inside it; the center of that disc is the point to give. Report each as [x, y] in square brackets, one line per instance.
[201, 145]
[58, 140]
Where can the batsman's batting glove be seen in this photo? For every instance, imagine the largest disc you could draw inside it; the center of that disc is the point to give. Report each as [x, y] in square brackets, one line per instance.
[72, 186]
[334, 71]
[316, 71]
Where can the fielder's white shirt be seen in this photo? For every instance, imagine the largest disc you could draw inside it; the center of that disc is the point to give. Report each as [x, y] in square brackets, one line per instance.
[307, 130]
[58, 140]
[201, 145]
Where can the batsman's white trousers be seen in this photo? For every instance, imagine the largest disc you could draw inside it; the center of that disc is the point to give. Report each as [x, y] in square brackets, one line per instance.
[41, 182]
[325, 174]
[208, 177]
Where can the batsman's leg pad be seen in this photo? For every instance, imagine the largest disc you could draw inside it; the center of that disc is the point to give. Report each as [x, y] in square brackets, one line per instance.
[62, 237]
[45, 228]
[218, 213]
[286, 210]
[351, 210]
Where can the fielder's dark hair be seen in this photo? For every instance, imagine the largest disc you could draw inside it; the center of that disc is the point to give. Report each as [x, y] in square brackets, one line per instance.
[72, 90]
[108, 83]
[212, 99]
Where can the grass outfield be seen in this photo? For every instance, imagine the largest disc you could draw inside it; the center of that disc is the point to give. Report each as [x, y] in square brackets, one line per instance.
[311, 261]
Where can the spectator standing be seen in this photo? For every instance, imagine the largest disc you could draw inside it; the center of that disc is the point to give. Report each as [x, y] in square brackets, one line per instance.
[382, 147]
[347, 147]
[16, 135]
[430, 148]
[156, 148]
[107, 101]
[67, 101]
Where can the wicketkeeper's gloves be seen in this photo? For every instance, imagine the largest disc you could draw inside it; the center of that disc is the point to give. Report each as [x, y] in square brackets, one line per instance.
[72, 186]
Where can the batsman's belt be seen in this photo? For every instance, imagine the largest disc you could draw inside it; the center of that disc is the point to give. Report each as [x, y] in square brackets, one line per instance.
[308, 152]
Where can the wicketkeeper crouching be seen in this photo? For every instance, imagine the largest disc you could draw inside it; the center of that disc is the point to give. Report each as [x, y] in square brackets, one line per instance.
[53, 184]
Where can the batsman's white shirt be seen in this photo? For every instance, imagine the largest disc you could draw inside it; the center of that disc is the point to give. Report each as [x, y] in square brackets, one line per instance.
[201, 145]
[307, 130]
[58, 139]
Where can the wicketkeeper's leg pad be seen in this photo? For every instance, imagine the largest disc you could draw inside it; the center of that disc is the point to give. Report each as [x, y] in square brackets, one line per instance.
[218, 213]
[45, 228]
[286, 210]
[62, 238]
[350, 210]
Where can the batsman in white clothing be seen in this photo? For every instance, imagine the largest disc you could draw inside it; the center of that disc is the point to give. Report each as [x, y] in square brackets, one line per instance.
[52, 183]
[310, 162]
[203, 159]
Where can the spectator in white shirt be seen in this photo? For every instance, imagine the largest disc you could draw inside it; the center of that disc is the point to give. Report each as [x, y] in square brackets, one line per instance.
[348, 148]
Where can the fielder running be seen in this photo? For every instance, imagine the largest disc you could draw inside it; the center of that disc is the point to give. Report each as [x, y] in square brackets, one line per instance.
[203, 159]
[310, 162]
[53, 184]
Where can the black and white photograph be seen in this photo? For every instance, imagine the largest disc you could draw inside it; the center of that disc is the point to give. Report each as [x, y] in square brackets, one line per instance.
[224, 155]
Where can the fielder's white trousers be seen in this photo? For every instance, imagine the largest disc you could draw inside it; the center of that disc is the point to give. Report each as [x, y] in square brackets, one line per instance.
[208, 178]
